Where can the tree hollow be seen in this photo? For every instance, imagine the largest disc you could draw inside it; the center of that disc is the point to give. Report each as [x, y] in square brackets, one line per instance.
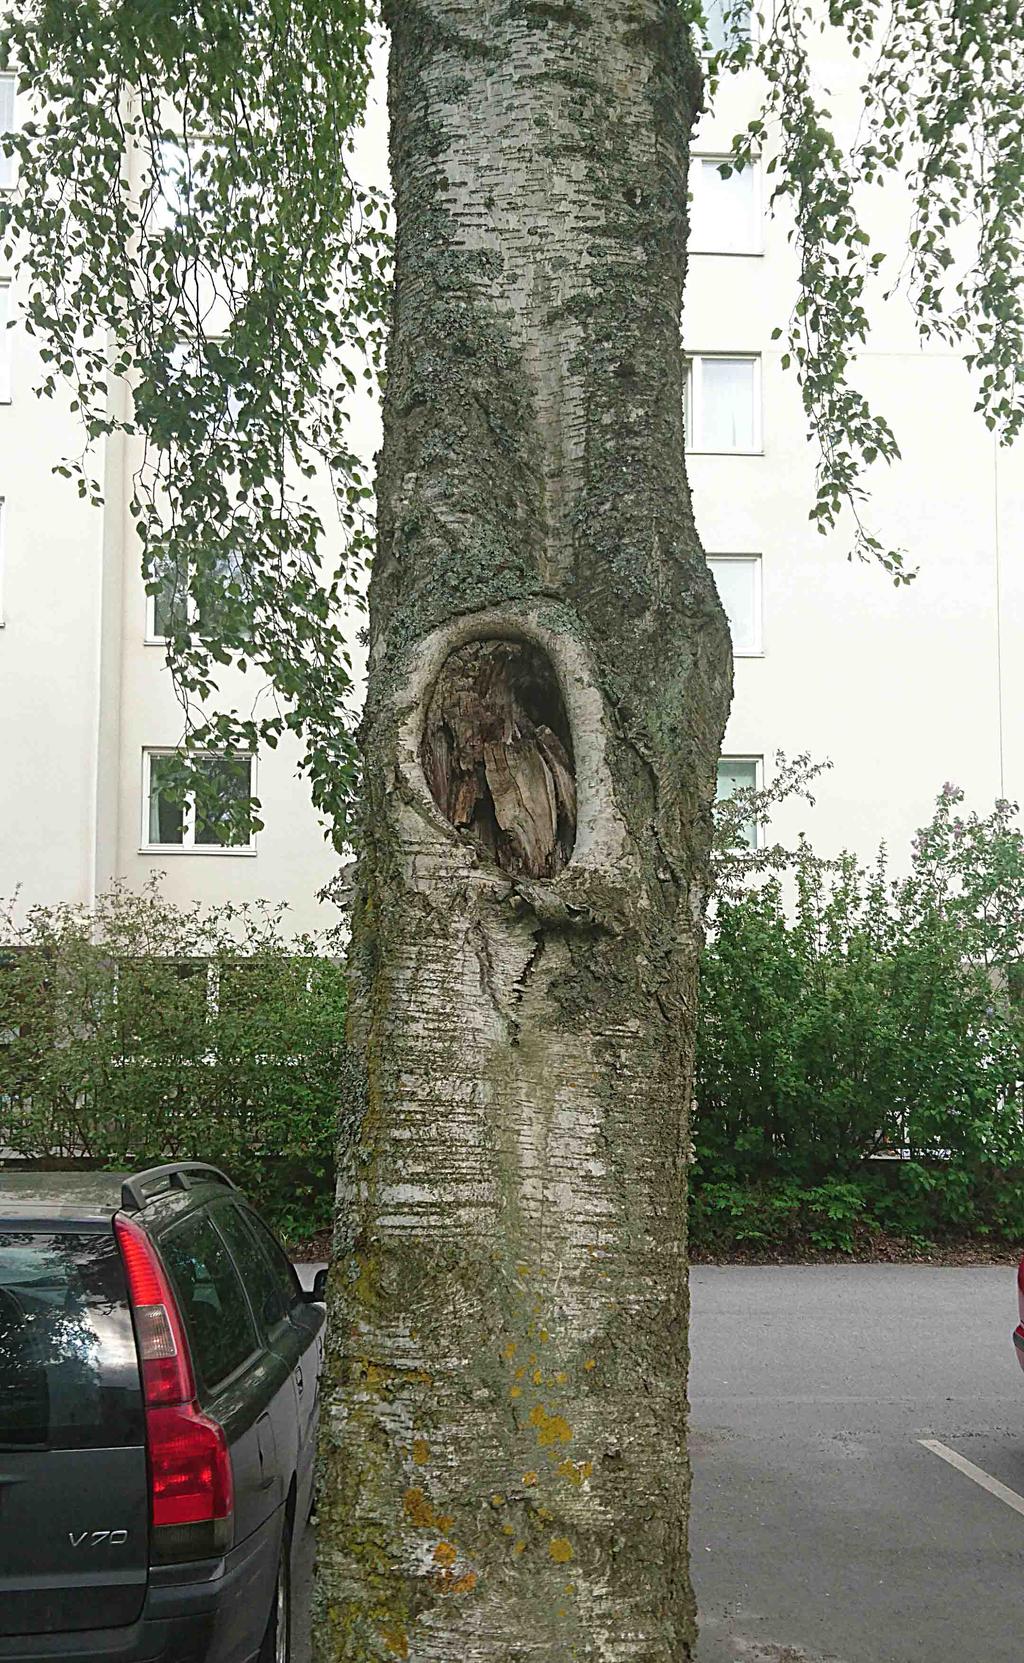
[497, 754]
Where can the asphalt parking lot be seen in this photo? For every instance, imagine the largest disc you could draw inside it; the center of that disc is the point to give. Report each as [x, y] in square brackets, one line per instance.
[827, 1526]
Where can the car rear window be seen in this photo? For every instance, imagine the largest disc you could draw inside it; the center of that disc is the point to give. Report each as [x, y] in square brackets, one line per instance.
[211, 1299]
[68, 1371]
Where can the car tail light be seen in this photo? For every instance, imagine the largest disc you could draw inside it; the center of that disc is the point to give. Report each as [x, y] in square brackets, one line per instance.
[191, 1492]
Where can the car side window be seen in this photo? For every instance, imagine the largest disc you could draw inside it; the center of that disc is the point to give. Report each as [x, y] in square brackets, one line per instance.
[281, 1266]
[210, 1295]
[263, 1287]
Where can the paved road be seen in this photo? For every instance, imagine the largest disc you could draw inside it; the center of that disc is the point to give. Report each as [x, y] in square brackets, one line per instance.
[823, 1531]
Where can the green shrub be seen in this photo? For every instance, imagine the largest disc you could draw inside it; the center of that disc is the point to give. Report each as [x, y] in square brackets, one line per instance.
[846, 1013]
[140, 1032]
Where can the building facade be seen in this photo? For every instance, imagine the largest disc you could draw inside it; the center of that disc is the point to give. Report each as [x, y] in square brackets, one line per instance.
[87, 707]
[900, 688]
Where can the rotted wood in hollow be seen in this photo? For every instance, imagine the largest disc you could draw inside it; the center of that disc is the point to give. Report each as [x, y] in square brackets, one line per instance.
[497, 755]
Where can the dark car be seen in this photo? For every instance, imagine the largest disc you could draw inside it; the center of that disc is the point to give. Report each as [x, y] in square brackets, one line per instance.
[159, 1381]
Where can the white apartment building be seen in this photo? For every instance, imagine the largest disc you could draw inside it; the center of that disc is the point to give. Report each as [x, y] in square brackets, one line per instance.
[902, 689]
[86, 701]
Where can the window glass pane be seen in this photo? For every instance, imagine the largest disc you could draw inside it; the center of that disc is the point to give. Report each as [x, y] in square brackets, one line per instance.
[213, 1305]
[170, 603]
[68, 1372]
[229, 781]
[225, 585]
[5, 341]
[736, 774]
[737, 584]
[726, 416]
[726, 22]
[270, 1301]
[724, 210]
[6, 126]
[162, 1006]
[280, 1264]
[166, 817]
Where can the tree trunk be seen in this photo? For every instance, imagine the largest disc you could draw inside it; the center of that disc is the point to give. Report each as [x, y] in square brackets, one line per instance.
[505, 1472]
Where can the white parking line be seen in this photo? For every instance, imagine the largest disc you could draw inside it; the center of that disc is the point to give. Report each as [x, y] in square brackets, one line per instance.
[969, 1470]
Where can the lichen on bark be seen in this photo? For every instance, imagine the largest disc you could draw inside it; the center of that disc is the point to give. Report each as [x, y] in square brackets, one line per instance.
[504, 1466]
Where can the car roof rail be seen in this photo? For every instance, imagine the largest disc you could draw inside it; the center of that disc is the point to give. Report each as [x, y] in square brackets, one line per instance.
[141, 1187]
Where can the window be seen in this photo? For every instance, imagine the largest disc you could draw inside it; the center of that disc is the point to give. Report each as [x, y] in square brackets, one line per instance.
[68, 1376]
[726, 23]
[168, 607]
[738, 579]
[268, 1275]
[161, 1004]
[281, 1266]
[6, 313]
[723, 404]
[172, 604]
[198, 823]
[213, 1305]
[725, 214]
[260, 1282]
[740, 773]
[7, 163]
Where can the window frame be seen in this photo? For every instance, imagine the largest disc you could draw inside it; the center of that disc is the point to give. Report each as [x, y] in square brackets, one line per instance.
[697, 160]
[757, 562]
[758, 761]
[6, 342]
[152, 639]
[694, 395]
[188, 846]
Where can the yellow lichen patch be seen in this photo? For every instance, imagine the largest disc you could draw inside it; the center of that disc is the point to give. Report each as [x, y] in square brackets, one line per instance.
[560, 1550]
[538, 1377]
[561, 1377]
[497, 1500]
[529, 1478]
[445, 1553]
[522, 1270]
[543, 1335]
[520, 1547]
[396, 1641]
[590, 1364]
[444, 1522]
[465, 1584]
[420, 1451]
[508, 1529]
[544, 1514]
[532, 1358]
[517, 1391]
[510, 1349]
[575, 1471]
[418, 1509]
[520, 1373]
[551, 1429]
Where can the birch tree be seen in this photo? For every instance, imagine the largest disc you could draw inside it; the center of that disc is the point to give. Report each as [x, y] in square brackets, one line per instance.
[504, 1457]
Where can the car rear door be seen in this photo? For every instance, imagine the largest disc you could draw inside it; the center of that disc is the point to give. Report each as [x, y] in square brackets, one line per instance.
[299, 1342]
[238, 1376]
[74, 1493]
